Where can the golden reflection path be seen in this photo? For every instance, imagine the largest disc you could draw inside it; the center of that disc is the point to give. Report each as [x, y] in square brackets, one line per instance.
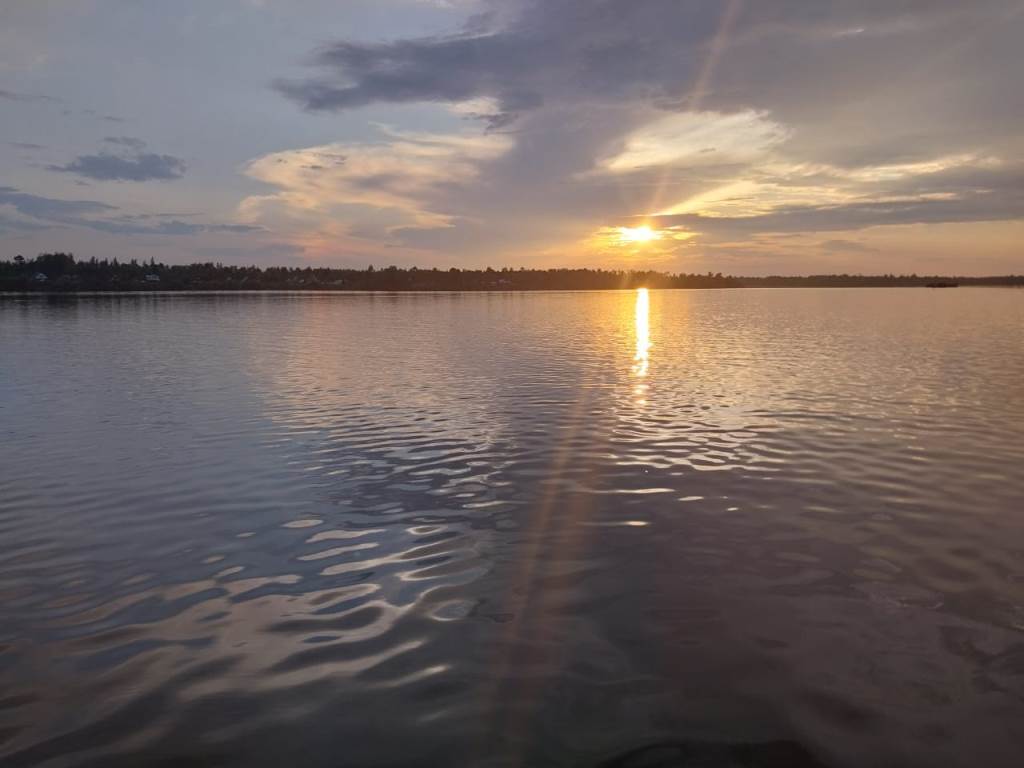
[641, 360]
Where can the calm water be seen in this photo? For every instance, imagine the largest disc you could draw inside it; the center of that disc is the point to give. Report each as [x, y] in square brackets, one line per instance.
[743, 528]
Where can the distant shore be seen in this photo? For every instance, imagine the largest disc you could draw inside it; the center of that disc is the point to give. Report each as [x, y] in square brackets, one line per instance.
[62, 273]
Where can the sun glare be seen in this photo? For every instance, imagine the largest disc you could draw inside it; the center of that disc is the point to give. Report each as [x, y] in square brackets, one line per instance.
[642, 234]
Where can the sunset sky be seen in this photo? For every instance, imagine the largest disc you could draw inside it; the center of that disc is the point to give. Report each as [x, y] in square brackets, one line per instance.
[742, 136]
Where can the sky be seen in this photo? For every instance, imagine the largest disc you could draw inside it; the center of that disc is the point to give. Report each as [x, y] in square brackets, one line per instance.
[748, 137]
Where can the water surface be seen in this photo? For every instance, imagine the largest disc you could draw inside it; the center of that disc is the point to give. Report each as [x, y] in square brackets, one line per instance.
[751, 528]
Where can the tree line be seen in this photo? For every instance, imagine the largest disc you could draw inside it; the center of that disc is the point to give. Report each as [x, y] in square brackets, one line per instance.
[61, 272]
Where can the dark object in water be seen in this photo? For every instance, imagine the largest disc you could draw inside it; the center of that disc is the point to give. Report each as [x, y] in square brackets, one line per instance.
[942, 285]
[772, 754]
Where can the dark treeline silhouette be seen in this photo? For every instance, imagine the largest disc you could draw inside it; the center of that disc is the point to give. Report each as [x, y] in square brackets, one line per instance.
[61, 272]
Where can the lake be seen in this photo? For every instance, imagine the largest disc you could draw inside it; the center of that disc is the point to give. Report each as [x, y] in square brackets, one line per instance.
[714, 528]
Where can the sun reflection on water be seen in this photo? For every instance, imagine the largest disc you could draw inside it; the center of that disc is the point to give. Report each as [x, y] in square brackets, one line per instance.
[643, 332]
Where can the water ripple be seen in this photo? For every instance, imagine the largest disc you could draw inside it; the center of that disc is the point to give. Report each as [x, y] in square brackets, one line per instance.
[716, 528]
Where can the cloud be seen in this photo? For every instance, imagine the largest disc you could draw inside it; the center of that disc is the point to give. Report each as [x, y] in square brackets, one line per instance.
[733, 55]
[523, 55]
[978, 206]
[723, 119]
[171, 227]
[9, 224]
[242, 228]
[26, 145]
[140, 166]
[366, 190]
[846, 245]
[49, 208]
[101, 217]
[126, 141]
[815, 198]
[27, 98]
[248, 254]
[697, 139]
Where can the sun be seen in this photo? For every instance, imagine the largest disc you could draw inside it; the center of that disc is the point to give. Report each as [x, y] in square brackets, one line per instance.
[643, 234]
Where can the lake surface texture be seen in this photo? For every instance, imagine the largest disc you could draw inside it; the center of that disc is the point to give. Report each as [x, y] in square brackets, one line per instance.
[722, 528]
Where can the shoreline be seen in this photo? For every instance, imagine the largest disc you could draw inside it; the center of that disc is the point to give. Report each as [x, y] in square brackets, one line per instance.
[428, 291]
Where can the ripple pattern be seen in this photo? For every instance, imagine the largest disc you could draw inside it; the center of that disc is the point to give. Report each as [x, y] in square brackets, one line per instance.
[472, 530]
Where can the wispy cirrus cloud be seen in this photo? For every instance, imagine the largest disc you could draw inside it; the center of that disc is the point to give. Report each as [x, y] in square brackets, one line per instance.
[344, 191]
[696, 139]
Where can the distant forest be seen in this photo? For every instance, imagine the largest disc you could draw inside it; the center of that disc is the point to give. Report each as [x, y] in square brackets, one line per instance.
[61, 272]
